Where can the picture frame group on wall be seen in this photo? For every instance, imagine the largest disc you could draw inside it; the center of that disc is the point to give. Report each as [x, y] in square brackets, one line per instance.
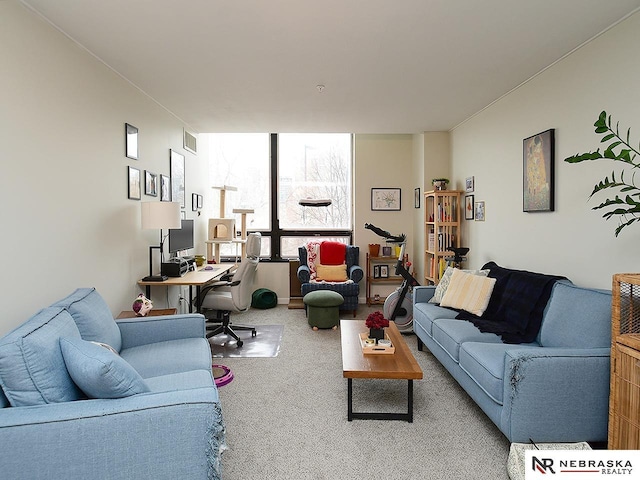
[386, 199]
[538, 177]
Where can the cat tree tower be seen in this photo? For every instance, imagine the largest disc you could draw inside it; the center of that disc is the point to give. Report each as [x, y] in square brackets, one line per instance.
[223, 230]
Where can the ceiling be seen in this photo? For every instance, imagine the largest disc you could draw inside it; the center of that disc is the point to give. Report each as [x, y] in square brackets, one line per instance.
[403, 66]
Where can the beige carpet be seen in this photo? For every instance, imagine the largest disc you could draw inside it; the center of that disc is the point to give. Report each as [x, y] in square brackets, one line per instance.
[286, 416]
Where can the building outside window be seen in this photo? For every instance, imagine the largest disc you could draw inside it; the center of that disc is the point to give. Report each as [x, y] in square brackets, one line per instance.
[272, 174]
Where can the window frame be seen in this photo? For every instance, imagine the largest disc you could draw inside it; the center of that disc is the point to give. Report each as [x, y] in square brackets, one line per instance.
[276, 233]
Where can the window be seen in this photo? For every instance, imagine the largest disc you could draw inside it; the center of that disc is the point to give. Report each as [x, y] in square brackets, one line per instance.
[294, 167]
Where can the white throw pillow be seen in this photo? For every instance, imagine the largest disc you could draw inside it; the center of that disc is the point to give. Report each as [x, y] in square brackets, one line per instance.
[441, 288]
[468, 292]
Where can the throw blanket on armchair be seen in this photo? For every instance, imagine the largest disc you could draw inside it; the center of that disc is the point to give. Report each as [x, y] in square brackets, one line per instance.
[516, 306]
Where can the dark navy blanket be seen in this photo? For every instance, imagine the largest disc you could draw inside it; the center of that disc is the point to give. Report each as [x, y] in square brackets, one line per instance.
[516, 306]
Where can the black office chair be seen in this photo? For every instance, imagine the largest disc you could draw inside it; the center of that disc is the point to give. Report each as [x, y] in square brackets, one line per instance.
[233, 295]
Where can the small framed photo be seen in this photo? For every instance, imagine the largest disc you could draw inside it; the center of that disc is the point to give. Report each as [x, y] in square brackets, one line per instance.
[469, 184]
[131, 141]
[150, 183]
[194, 202]
[376, 271]
[384, 271]
[199, 201]
[479, 211]
[133, 178]
[385, 199]
[468, 207]
[165, 188]
[416, 198]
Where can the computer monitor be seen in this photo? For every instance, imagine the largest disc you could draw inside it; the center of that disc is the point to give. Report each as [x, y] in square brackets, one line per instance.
[181, 238]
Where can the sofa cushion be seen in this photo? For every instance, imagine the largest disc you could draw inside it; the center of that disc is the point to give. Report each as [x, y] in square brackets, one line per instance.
[467, 292]
[444, 282]
[425, 314]
[98, 371]
[181, 381]
[332, 253]
[93, 317]
[331, 273]
[577, 317]
[172, 356]
[32, 370]
[451, 333]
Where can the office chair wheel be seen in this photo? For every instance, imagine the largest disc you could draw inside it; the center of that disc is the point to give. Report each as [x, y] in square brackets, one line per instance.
[253, 333]
[239, 343]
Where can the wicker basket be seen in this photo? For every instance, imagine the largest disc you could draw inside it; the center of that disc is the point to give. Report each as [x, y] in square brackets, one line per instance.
[624, 401]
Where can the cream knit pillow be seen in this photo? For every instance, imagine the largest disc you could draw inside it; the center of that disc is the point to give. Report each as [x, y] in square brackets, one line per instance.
[468, 292]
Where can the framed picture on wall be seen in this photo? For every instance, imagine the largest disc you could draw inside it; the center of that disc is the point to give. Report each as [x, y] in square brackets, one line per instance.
[384, 271]
[469, 184]
[165, 188]
[385, 199]
[133, 179]
[416, 197]
[468, 207]
[150, 183]
[131, 141]
[538, 172]
[480, 211]
[177, 177]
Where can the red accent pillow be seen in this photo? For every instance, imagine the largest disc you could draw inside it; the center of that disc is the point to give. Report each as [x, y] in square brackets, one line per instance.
[332, 253]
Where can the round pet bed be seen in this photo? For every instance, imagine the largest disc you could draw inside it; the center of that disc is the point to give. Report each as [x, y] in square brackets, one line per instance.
[221, 374]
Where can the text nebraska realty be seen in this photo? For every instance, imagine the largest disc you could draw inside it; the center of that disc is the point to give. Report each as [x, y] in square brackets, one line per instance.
[605, 467]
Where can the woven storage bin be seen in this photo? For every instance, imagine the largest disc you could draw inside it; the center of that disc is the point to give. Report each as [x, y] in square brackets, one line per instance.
[624, 400]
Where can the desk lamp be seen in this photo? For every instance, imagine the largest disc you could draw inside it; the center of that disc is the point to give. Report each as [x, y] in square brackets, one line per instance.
[159, 215]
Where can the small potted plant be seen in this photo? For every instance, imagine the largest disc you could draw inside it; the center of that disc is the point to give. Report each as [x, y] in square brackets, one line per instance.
[440, 183]
[376, 323]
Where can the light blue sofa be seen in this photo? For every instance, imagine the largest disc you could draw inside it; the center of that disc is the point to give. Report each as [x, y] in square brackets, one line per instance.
[555, 389]
[73, 409]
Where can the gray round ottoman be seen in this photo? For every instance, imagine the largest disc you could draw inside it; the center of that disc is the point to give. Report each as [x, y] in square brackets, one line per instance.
[323, 308]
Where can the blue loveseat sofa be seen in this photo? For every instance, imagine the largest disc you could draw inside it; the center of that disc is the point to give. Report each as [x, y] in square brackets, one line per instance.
[552, 389]
[74, 409]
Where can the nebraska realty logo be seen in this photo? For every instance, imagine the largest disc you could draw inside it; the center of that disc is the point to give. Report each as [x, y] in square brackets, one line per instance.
[581, 464]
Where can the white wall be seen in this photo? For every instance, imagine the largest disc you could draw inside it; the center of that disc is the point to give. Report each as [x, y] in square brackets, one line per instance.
[382, 161]
[574, 240]
[66, 220]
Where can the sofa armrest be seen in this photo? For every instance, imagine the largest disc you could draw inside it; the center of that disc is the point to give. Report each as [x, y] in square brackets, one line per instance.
[304, 274]
[177, 434]
[552, 393]
[422, 294]
[356, 273]
[145, 330]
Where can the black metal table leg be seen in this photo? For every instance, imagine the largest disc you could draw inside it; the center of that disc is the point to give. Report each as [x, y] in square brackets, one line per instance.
[350, 399]
[379, 416]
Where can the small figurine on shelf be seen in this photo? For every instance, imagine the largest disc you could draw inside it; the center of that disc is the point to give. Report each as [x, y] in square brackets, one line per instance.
[142, 305]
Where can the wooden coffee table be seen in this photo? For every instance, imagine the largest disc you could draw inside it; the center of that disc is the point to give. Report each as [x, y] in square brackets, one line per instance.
[400, 365]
